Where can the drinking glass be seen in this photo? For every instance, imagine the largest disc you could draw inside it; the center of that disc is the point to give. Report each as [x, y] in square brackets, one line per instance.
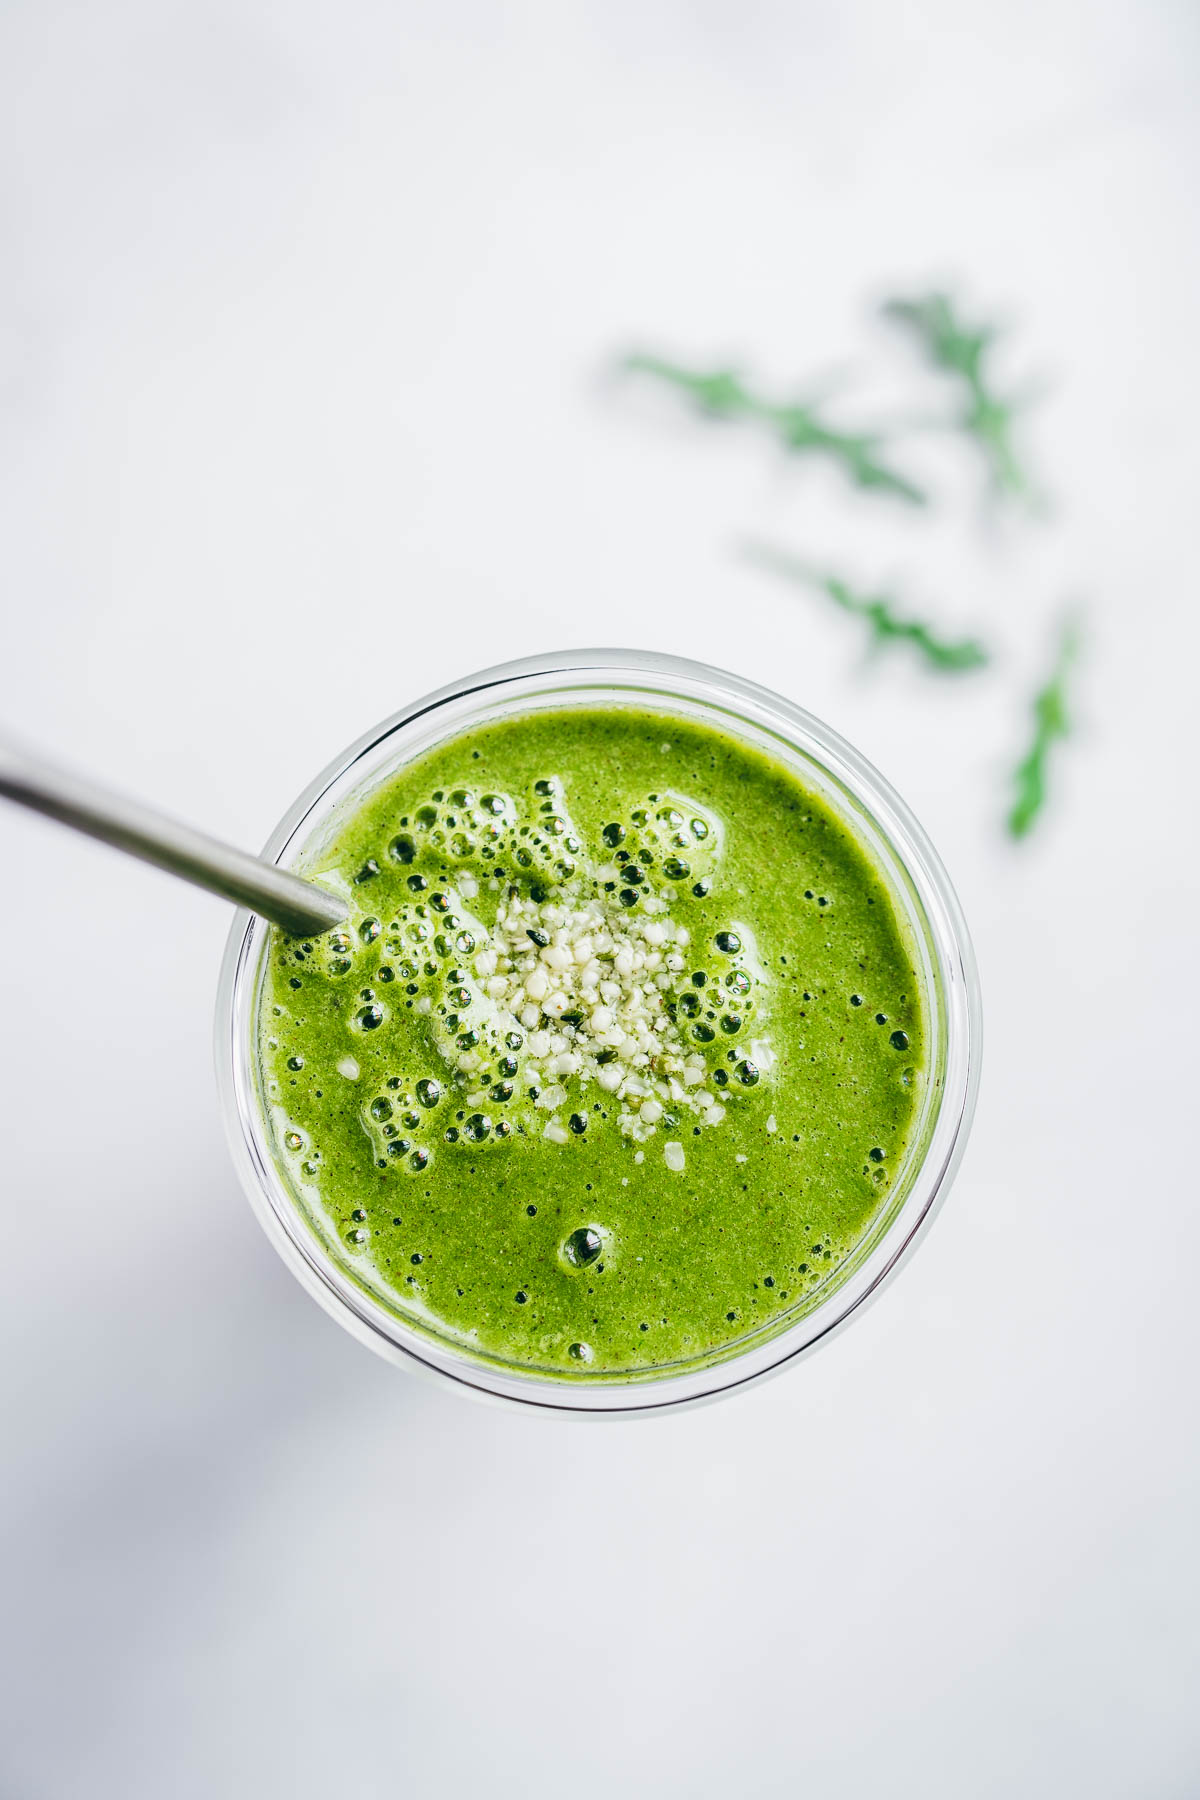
[853, 790]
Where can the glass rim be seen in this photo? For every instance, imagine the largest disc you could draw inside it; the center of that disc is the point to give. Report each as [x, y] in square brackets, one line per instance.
[948, 944]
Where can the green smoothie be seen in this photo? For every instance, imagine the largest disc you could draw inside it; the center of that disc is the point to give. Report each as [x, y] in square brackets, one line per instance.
[617, 1056]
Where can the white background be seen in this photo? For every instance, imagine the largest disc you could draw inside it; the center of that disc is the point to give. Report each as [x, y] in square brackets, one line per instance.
[306, 322]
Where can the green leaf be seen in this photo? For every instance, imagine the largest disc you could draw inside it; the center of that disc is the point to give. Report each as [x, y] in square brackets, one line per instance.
[885, 622]
[1051, 722]
[961, 351]
[799, 427]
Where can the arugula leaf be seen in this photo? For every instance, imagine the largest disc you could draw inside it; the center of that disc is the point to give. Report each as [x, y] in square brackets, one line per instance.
[724, 395]
[885, 623]
[961, 351]
[1051, 722]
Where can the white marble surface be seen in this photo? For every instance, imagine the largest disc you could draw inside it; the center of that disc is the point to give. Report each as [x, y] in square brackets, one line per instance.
[303, 327]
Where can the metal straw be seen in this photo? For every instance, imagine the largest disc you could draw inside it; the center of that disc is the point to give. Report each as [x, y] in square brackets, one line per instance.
[298, 906]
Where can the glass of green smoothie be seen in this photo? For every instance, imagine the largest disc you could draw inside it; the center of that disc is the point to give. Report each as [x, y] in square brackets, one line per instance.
[648, 1048]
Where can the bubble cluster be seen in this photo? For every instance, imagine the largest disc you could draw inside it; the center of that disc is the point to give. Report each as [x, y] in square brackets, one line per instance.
[547, 968]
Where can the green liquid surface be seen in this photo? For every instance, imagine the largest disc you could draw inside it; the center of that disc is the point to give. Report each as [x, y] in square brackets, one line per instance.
[618, 1055]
